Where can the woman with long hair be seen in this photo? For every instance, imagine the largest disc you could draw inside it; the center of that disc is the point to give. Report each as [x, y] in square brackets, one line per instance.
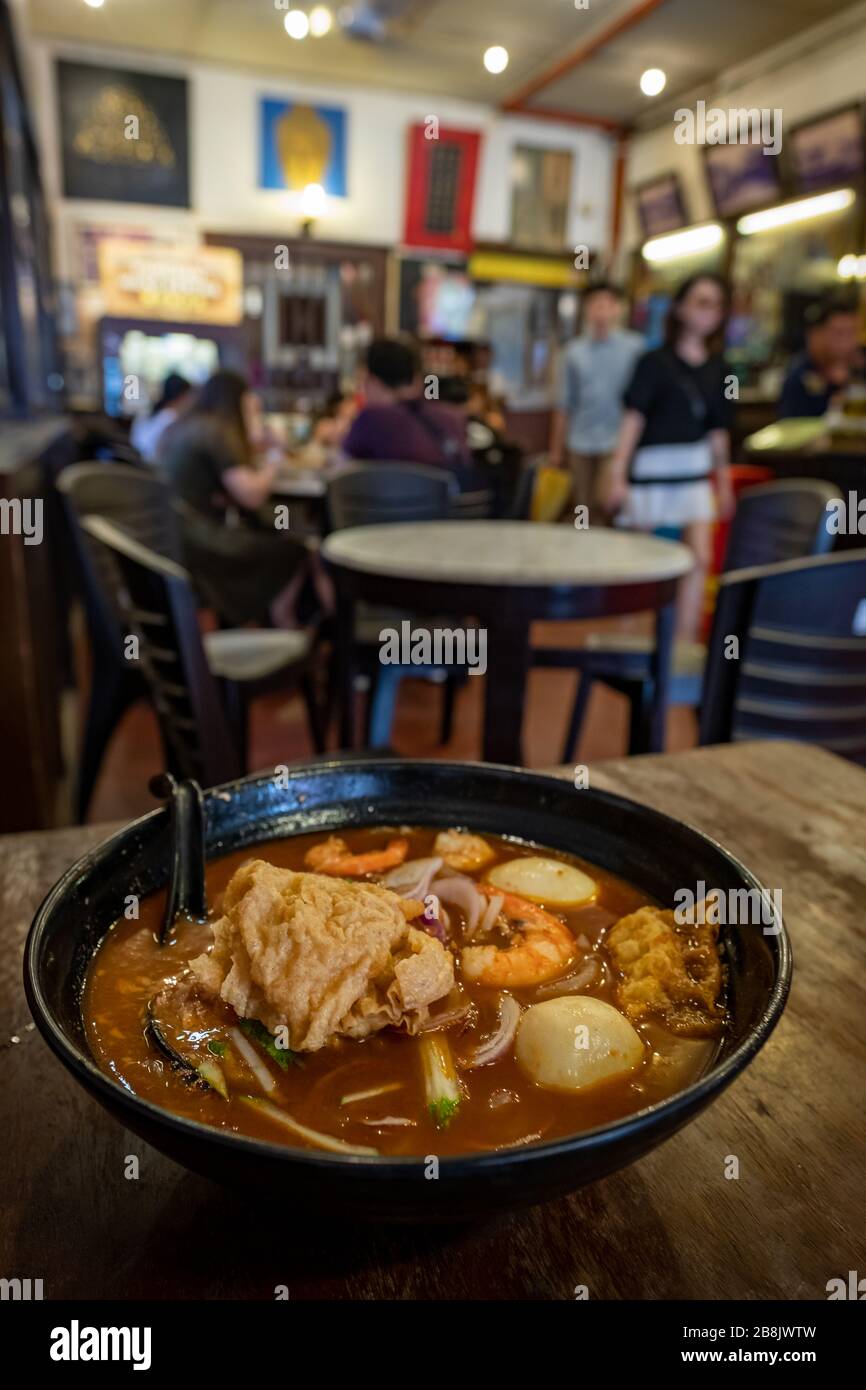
[243, 566]
[674, 439]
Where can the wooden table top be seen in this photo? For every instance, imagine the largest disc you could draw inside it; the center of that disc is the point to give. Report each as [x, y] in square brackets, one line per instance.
[670, 1226]
[507, 552]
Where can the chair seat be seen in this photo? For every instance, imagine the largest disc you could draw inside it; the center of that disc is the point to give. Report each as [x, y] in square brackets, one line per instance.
[251, 654]
[688, 657]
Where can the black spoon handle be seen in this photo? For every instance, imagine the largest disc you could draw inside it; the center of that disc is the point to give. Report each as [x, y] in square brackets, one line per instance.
[186, 887]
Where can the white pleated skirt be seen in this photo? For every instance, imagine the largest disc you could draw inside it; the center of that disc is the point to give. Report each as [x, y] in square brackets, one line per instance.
[682, 494]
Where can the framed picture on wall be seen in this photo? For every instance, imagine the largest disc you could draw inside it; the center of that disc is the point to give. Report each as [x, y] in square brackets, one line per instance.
[302, 145]
[541, 183]
[440, 188]
[827, 152]
[741, 177]
[660, 205]
[123, 135]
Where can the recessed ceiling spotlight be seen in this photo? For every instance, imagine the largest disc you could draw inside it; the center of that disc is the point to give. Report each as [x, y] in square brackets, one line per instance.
[320, 21]
[496, 59]
[653, 81]
[297, 24]
[95, 4]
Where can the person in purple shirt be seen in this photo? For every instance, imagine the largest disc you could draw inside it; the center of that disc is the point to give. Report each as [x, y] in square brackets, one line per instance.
[398, 425]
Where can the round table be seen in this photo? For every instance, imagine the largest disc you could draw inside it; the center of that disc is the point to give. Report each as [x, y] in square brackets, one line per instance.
[506, 575]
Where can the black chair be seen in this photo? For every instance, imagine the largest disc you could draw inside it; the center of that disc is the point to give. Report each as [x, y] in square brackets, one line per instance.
[478, 505]
[373, 494]
[380, 494]
[773, 522]
[139, 504]
[787, 655]
[200, 685]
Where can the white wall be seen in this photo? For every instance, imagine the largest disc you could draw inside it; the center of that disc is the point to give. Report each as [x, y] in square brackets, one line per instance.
[224, 158]
[818, 71]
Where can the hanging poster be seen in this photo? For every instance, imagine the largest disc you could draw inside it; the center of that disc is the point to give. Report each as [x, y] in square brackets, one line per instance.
[301, 145]
[123, 135]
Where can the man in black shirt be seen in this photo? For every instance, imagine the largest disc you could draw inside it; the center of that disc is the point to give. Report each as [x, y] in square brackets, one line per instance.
[826, 367]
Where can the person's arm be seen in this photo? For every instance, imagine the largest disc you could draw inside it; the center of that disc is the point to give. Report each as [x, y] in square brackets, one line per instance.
[720, 445]
[567, 404]
[558, 428]
[613, 483]
[250, 487]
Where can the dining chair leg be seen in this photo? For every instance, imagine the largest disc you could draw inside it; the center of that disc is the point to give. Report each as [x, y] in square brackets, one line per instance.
[640, 707]
[661, 660]
[383, 703]
[111, 695]
[346, 664]
[453, 680]
[578, 714]
[315, 721]
[509, 660]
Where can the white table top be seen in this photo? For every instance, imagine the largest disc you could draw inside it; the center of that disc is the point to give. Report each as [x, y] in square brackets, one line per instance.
[507, 553]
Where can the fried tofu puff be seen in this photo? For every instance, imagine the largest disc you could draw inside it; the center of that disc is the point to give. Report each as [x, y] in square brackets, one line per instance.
[668, 971]
[322, 957]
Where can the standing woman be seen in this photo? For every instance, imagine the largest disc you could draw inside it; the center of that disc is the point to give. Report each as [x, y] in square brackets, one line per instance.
[674, 437]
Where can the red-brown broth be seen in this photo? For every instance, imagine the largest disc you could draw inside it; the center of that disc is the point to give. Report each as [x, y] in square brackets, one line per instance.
[129, 968]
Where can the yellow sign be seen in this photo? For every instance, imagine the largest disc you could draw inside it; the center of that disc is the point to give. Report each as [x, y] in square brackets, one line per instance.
[183, 284]
[524, 270]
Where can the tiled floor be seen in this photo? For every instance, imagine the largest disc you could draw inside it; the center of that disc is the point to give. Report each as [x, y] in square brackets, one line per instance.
[279, 733]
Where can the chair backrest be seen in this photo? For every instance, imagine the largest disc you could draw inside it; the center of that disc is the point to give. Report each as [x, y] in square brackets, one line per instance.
[785, 520]
[138, 500]
[520, 505]
[787, 655]
[375, 493]
[152, 599]
[473, 506]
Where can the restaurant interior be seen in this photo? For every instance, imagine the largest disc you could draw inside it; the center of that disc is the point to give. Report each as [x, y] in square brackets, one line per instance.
[431, 412]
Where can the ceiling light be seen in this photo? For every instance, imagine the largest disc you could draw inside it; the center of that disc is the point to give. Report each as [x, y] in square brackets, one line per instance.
[496, 59]
[801, 211]
[320, 21]
[95, 4]
[297, 24]
[313, 200]
[653, 81]
[852, 268]
[691, 242]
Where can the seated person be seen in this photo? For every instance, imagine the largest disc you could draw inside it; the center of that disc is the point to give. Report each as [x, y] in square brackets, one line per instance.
[244, 569]
[398, 424]
[147, 430]
[832, 355]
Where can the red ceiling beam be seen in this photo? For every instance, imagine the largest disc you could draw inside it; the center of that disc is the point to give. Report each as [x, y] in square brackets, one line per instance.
[579, 55]
[542, 113]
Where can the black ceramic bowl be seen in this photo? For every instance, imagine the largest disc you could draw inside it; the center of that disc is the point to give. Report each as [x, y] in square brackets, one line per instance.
[658, 854]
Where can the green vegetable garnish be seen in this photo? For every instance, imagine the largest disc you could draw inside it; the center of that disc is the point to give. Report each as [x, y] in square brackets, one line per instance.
[258, 1033]
[218, 1049]
[443, 1111]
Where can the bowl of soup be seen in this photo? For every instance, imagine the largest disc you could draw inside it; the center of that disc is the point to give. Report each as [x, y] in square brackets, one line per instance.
[418, 990]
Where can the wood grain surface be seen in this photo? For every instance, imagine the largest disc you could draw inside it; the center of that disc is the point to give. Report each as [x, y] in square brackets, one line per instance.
[671, 1226]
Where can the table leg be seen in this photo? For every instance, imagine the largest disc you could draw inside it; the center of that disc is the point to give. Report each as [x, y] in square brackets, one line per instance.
[509, 659]
[660, 672]
[345, 658]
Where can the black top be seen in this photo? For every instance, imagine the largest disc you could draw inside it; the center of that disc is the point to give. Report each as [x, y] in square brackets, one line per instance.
[681, 403]
[806, 393]
[195, 453]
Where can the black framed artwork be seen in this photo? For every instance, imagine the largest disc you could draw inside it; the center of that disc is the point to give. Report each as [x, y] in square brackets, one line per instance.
[124, 135]
[827, 152]
[741, 178]
[660, 205]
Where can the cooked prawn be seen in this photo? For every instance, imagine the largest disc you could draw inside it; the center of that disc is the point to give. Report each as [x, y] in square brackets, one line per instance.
[542, 947]
[461, 851]
[334, 857]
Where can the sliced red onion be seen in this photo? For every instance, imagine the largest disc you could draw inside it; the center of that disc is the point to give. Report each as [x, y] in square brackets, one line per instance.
[499, 1042]
[432, 926]
[412, 879]
[494, 907]
[461, 892]
[570, 984]
[456, 1013]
